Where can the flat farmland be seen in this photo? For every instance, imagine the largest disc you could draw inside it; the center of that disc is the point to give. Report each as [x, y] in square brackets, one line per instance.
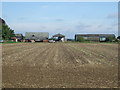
[59, 65]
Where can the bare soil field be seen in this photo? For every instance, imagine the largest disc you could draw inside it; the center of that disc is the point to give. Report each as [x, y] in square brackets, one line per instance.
[59, 65]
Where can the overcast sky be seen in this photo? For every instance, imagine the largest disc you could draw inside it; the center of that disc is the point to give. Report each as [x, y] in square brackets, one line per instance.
[68, 18]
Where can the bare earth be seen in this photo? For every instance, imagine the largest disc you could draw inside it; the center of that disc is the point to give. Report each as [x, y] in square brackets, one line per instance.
[59, 65]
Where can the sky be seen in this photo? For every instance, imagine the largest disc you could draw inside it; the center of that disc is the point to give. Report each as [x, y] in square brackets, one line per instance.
[67, 18]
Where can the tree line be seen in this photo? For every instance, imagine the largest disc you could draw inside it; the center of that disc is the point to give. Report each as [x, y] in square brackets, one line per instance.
[5, 31]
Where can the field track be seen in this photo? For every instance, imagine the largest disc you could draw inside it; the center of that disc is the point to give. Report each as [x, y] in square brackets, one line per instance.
[59, 65]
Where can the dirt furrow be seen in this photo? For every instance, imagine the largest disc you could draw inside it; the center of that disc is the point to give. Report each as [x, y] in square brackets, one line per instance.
[18, 49]
[19, 57]
[95, 56]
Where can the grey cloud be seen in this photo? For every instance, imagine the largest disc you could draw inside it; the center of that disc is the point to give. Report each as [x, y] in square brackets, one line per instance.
[59, 19]
[115, 24]
[82, 26]
[113, 16]
[99, 26]
[59, 29]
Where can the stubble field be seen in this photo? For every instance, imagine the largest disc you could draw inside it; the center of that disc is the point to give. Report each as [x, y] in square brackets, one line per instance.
[59, 65]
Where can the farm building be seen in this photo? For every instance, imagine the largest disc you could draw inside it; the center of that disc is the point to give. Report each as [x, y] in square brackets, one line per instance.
[59, 37]
[94, 37]
[37, 36]
[19, 36]
[14, 39]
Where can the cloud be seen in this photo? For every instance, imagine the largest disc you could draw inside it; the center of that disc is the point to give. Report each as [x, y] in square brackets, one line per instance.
[113, 16]
[45, 18]
[59, 19]
[100, 25]
[95, 28]
[82, 26]
[115, 24]
[67, 29]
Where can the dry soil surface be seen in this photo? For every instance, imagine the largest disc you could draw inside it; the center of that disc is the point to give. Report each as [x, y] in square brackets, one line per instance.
[59, 65]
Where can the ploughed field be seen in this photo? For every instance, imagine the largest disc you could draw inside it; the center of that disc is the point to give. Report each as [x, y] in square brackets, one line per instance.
[59, 65]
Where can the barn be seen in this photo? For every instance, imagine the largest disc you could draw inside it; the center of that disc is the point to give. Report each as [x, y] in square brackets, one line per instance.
[37, 36]
[94, 37]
